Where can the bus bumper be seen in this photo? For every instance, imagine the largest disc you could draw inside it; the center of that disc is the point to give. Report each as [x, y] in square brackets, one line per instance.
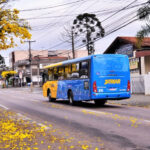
[111, 96]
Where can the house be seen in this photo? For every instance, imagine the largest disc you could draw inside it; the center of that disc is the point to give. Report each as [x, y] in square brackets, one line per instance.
[139, 58]
[139, 61]
[19, 61]
[68, 53]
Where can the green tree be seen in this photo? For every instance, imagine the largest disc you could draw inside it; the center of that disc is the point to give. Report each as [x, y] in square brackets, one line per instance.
[90, 26]
[2, 64]
[143, 15]
[2, 61]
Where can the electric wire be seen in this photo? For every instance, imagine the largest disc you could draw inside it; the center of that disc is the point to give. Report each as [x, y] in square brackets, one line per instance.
[107, 33]
[50, 7]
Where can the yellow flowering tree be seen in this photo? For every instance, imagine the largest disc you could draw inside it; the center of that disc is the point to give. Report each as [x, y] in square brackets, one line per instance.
[11, 26]
[5, 74]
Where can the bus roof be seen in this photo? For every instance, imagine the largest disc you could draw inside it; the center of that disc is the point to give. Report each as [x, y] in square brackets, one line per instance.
[67, 62]
[77, 60]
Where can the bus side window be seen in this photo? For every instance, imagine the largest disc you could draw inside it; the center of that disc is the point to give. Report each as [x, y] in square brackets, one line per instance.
[60, 73]
[44, 77]
[75, 70]
[84, 70]
[55, 73]
[50, 74]
[68, 71]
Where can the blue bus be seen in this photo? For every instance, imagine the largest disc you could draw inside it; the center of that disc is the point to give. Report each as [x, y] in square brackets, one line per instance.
[95, 77]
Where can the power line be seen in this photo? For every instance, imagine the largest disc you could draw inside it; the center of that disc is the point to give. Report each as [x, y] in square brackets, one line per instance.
[63, 42]
[119, 11]
[127, 15]
[57, 29]
[112, 31]
[95, 12]
[50, 7]
[54, 24]
[108, 33]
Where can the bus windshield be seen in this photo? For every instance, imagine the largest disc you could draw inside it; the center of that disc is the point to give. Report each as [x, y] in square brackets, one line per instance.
[107, 64]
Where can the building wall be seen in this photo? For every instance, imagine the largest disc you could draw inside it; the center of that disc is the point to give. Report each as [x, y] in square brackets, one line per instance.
[82, 53]
[147, 64]
[137, 84]
[147, 84]
[22, 55]
[142, 65]
[78, 54]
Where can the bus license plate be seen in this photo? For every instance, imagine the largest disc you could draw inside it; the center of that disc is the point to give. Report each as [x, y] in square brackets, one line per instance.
[112, 89]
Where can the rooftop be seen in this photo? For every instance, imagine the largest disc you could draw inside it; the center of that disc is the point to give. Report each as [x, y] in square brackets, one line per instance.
[126, 40]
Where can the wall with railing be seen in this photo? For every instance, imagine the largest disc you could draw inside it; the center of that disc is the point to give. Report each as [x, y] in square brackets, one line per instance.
[140, 84]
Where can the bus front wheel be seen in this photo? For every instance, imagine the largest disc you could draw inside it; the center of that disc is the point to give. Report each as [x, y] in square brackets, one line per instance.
[50, 98]
[100, 102]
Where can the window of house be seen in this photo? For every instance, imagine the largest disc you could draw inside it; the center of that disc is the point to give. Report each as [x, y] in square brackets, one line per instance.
[34, 71]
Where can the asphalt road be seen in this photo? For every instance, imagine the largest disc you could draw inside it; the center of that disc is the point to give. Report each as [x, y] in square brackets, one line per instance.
[120, 127]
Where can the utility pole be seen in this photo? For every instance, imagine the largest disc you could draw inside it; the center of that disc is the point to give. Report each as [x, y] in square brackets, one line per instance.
[38, 66]
[72, 40]
[30, 60]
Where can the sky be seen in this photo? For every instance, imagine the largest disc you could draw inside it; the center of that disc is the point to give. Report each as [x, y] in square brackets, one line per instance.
[48, 18]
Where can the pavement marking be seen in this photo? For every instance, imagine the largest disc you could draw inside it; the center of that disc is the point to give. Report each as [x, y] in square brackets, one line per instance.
[135, 121]
[148, 121]
[4, 107]
[34, 100]
[99, 112]
[37, 92]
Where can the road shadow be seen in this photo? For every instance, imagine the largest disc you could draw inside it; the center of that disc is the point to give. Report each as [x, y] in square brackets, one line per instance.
[87, 104]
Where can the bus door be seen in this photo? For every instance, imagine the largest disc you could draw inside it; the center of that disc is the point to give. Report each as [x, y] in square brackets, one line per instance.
[85, 80]
[79, 82]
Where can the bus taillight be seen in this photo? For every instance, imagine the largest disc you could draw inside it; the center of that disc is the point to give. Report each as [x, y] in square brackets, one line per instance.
[128, 86]
[94, 87]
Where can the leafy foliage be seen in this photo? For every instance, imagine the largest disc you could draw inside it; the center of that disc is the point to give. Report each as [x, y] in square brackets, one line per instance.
[143, 14]
[11, 26]
[89, 25]
[2, 61]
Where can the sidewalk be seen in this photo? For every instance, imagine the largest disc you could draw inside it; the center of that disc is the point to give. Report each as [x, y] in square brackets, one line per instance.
[35, 89]
[140, 100]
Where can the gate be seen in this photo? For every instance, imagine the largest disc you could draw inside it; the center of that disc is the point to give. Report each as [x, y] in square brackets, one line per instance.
[137, 84]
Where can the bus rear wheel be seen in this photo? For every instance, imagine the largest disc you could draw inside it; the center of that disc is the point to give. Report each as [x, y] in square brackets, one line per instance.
[100, 102]
[70, 97]
[50, 98]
